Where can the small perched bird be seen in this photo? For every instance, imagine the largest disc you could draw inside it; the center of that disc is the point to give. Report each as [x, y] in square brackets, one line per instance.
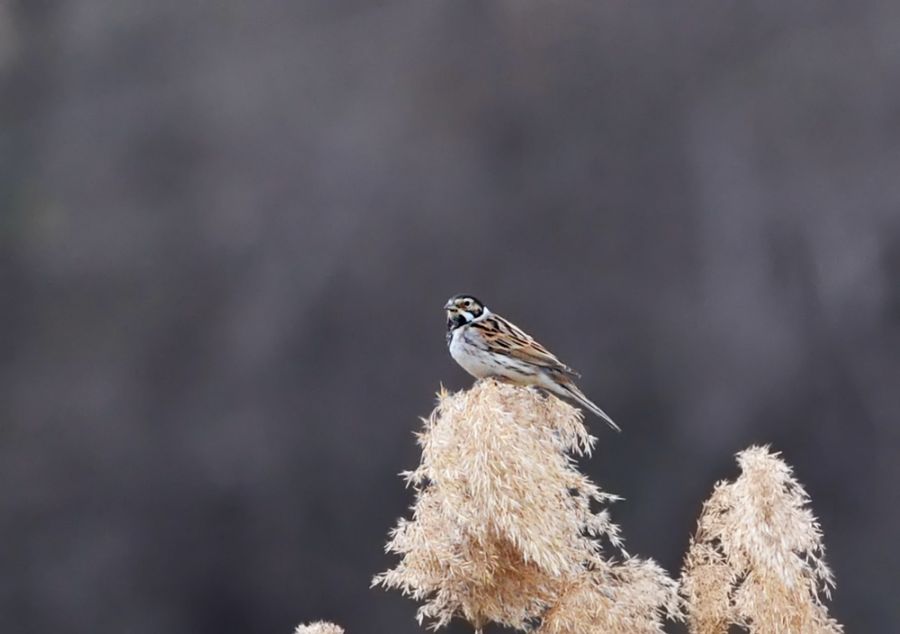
[486, 344]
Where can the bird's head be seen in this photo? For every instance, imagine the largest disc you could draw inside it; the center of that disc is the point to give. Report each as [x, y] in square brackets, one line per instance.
[463, 309]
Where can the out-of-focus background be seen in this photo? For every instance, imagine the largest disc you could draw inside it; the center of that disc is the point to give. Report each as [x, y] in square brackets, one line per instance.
[227, 230]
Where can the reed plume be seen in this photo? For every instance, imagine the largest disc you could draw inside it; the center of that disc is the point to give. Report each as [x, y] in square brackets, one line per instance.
[503, 528]
[319, 627]
[757, 559]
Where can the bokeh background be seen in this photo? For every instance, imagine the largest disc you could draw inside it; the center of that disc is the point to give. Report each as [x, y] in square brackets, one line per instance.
[228, 230]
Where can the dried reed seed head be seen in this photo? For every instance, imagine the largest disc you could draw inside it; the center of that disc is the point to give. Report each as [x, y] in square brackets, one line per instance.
[319, 627]
[757, 559]
[633, 597]
[502, 523]
[707, 589]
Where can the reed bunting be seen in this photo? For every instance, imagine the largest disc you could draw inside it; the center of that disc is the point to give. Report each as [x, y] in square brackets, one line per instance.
[485, 344]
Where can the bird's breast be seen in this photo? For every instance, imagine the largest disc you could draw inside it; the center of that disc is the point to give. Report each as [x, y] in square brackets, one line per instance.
[467, 350]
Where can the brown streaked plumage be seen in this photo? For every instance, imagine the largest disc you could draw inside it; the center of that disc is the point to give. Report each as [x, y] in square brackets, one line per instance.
[485, 344]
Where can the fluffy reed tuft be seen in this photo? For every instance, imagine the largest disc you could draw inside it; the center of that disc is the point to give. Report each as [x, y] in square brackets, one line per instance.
[757, 559]
[319, 627]
[502, 528]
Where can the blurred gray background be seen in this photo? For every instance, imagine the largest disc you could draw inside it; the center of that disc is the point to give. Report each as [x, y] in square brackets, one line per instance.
[228, 230]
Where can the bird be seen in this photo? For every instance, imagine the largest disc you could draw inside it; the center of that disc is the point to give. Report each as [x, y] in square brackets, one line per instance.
[488, 345]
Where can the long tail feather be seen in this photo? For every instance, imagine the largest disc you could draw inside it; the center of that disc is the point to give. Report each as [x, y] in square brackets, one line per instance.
[579, 396]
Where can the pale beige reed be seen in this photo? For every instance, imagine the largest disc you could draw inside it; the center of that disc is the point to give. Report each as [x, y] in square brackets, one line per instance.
[757, 559]
[319, 627]
[503, 528]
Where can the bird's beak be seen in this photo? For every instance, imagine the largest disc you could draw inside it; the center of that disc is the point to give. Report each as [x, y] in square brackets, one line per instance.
[448, 305]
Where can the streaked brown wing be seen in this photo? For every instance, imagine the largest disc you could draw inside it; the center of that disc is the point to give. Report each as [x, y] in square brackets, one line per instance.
[506, 338]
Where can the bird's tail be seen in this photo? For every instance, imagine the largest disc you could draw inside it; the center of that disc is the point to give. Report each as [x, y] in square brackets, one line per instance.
[572, 391]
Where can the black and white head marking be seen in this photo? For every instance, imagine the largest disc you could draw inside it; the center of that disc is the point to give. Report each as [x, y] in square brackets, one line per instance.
[464, 309]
